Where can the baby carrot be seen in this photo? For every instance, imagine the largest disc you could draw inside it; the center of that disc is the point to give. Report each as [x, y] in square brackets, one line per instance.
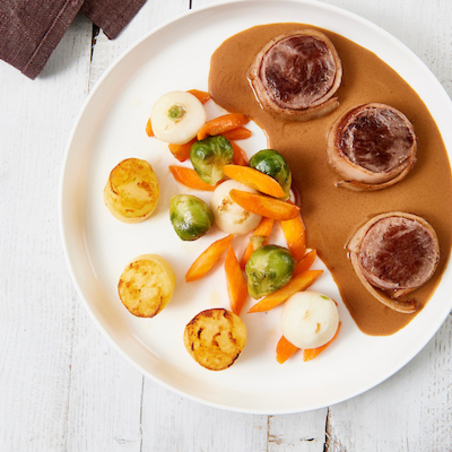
[181, 151]
[257, 180]
[264, 229]
[189, 177]
[202, 96]
[299, 282]
[284, 350]
[265, 206]
[295, 234]
[241, 133]
[311, 353]
[149, 131]
[305, 262]
[222, 124]
[237, 289]
[208, 258]
[240, 157]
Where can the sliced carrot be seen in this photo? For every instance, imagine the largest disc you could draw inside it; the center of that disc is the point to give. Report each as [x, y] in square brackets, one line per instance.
[257, 180]
[189, 177]
[284, 350]
[264, 229]
[241, 133]
[237, 289]
[202, 96]
[240, 157]
[208, 258]
[311, 353]
[299, 282]
[222, 124]
[305, 262]
[182, 151]
[149, 131]
[295, 234]
[264, 205]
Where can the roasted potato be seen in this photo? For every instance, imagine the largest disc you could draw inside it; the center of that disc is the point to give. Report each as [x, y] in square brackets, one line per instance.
[132, 191]
[146, 285]
[215, 338]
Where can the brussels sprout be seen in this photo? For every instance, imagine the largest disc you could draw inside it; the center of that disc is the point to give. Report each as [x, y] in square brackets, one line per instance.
[271, 162]
[190, 216]
[209, 156]
[269, 268]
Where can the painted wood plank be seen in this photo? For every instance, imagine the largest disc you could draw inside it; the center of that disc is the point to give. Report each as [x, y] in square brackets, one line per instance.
[37, 298]
[171, 423]
[105, 393]
[105, 404]
[412, 410]
[62, 387]
[175, 424]
[302, 432]
[422, 26]
[151, 15]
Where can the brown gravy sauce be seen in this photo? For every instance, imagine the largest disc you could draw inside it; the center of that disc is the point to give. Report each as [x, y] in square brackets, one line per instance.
[333, 214]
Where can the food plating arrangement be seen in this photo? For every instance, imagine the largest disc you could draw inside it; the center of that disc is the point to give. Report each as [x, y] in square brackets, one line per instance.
[339, 154]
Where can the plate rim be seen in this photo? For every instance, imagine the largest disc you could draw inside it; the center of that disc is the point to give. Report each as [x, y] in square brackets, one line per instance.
[63, 232]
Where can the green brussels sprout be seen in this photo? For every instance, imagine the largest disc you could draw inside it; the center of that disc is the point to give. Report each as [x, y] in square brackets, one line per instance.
[268, 269]
[190, 216]
[271, 162]
[209, 156]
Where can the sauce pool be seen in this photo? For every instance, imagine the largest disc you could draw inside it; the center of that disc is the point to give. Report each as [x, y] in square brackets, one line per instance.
[333, 214]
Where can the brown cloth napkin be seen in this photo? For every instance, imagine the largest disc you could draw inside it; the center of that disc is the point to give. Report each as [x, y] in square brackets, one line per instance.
[31, 29]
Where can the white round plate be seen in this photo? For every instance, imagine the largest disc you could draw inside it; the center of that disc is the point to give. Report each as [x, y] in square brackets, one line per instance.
[97, 246]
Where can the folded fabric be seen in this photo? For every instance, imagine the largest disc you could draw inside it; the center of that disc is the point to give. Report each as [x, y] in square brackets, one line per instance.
[30, 30]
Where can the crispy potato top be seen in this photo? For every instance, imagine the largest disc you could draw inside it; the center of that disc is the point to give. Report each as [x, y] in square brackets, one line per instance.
[132, 191]
[146, 285]
[215, 338]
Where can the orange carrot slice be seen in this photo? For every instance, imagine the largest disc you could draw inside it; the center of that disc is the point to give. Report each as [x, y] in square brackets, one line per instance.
[182, 151]
[237, 289]
[222, 124]
[264, 205]
[298, 283]
[305, 262]
[189, 177]
[295, 234]
[241, 133]
[284, 350]
[208, 258]
[240, 157]
[202, 96]
[257, 180]
[311, 353]
[149, 131]
[264, 229]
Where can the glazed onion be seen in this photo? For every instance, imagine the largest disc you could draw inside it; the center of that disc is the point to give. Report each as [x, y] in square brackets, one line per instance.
[228, 215]
[309, 319]
[177, 116]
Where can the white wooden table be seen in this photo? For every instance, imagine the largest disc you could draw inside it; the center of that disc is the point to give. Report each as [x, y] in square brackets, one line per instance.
[63, 387]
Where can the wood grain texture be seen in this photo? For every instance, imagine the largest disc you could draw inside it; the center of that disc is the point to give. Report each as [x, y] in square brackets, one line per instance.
[64, 387]
[172, 423]
[304, 432]
[106, 393]
[37, 298]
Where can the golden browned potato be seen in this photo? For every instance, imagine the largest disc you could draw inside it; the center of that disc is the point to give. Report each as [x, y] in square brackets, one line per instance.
[215, 338]
[146, 285]
[132, 191]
